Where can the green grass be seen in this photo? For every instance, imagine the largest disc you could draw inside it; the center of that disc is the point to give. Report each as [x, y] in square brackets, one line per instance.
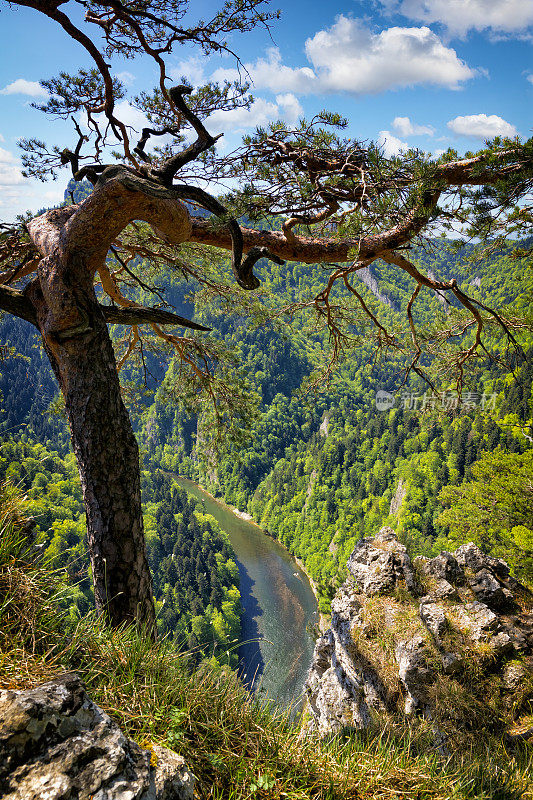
[237, 747]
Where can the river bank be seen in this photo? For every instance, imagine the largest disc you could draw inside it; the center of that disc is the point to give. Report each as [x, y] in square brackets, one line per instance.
[279, 605]
[324, 619]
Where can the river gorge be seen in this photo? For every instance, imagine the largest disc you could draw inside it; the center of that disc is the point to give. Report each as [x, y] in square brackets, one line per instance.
[278, 604]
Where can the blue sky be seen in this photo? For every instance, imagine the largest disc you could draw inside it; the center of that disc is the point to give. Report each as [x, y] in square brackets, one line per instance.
[424, 73]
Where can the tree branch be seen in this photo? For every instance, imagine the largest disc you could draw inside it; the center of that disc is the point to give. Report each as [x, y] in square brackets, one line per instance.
[204, 141]
[16, 303]
[147, 316]
[307, 249]
[50, 9]
[310, 250]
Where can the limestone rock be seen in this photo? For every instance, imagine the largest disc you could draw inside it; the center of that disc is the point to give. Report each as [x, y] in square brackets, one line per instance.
[451, 663]
[446, 567]
[443, 590]
[469, 556]
[513, 675]
[443, 571]
[340, 689]
[56, 744]
[480, 621]
[413, 670]
[337, 695]
[171, 780]
[490, 591]
[394, 652]
[433, 617]
[380, 565]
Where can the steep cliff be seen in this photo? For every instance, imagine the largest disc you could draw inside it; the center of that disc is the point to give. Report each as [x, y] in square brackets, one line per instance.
[448, 639]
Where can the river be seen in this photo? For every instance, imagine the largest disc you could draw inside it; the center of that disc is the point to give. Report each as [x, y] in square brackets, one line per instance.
[278, 603]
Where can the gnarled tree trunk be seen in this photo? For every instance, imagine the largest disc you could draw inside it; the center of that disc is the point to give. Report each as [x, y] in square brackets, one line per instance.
[74, 242]
[108, 461]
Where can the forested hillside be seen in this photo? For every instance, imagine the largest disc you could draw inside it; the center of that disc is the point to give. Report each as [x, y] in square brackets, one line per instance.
[317, 467]
[326, 467]
[195, 579]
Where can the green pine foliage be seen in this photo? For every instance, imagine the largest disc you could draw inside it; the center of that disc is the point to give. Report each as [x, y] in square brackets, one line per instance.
[195, 577]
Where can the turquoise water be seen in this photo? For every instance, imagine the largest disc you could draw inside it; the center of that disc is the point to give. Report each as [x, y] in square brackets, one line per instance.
[278, 604]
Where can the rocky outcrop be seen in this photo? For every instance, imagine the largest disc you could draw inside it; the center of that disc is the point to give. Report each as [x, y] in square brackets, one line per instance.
[449, 639]
[369, 279]
[398, 497]
[381, 565]
[56, 744]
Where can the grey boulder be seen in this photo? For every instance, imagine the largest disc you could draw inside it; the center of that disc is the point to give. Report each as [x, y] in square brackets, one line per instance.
[56, 744]
[381, 564]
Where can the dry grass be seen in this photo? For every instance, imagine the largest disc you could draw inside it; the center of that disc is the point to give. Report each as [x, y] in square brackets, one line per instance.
[383, 622]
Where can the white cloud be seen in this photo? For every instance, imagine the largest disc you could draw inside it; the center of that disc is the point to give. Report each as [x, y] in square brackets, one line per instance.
[350, 58]
[405, 127]
[18, 194]
[193, 70]
[2, 138]
[10, 174]
[29, 196]
[54, 195]
[22, 86]
[460, 16]
[126, 77]
[6, 156]
[391, 144]
[290, 108]
[260, 113]
[271, 73]
[481, 126]
[530, 77]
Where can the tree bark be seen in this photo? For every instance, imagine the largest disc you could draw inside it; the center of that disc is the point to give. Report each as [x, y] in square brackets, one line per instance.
[107, 456]
[74, 242]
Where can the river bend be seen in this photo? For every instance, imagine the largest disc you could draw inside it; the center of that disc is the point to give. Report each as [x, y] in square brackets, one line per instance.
[278, 605]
